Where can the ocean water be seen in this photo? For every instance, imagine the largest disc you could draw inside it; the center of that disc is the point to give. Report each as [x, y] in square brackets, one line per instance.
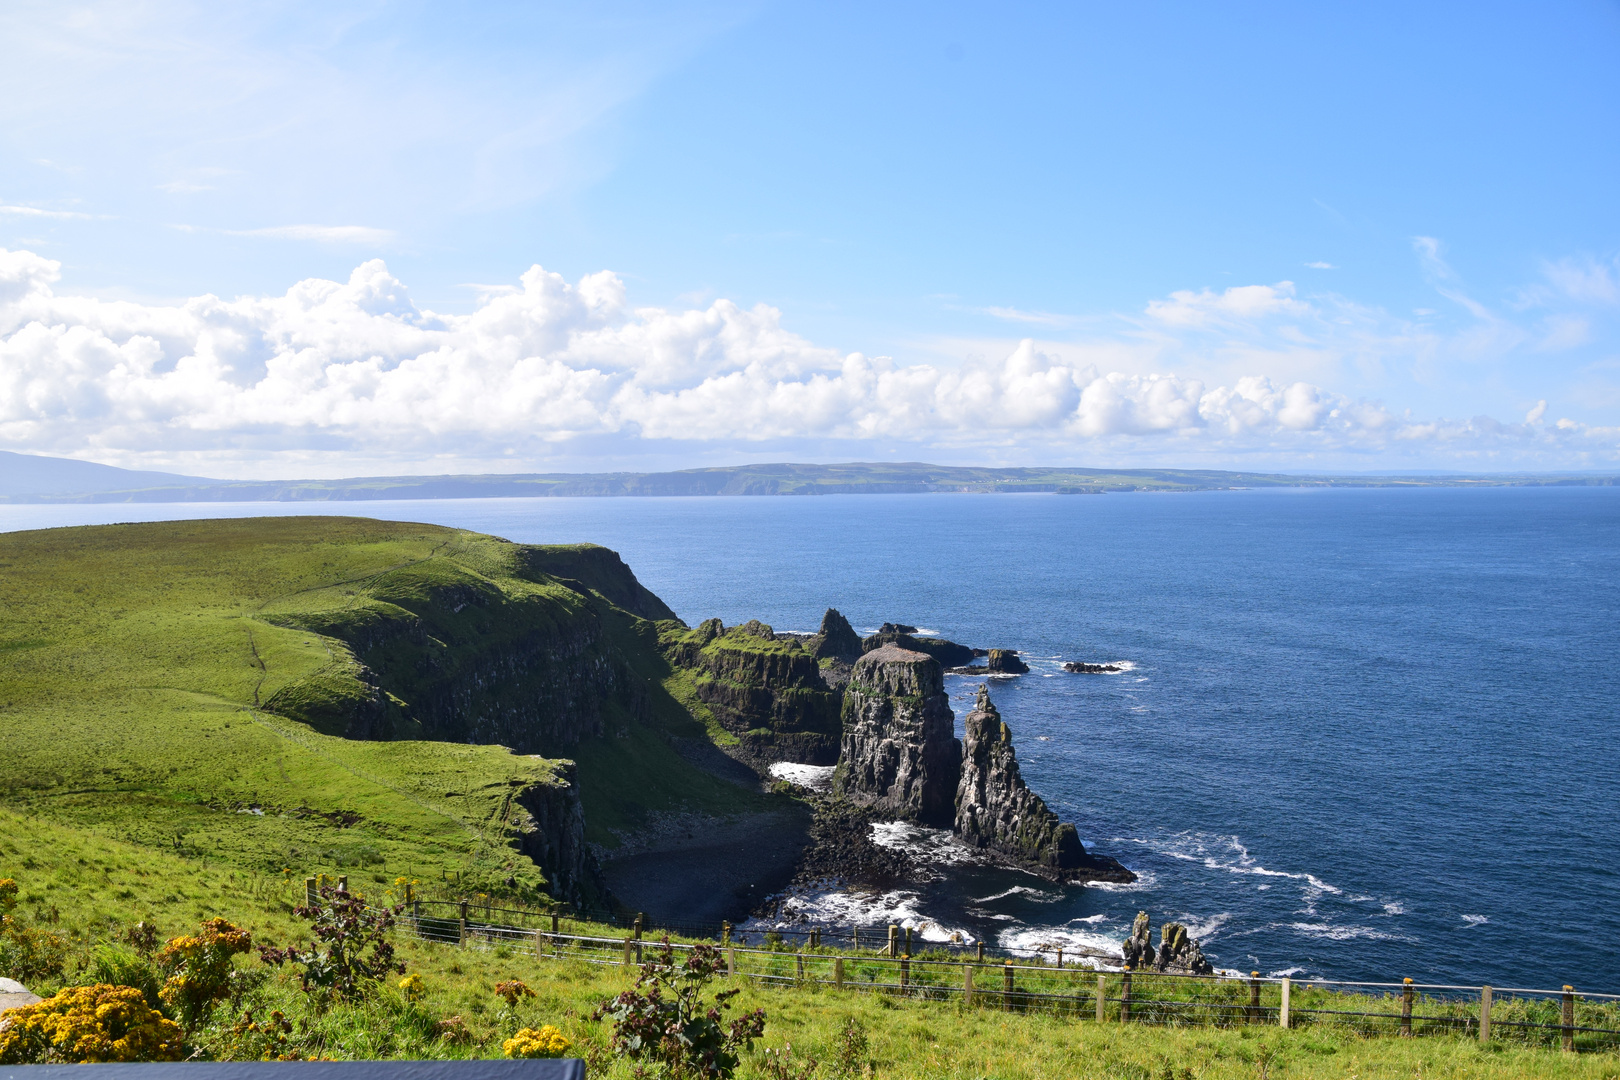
[1364, 734]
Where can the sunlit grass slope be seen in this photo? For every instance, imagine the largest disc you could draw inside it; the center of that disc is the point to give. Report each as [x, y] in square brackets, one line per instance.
[137, 663]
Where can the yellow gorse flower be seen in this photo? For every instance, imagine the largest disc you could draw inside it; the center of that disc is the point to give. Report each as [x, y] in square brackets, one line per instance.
[411, 986]
[89, 1023]
[548, 1042]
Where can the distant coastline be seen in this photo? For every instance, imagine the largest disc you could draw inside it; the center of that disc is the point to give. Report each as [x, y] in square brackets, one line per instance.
[32, 479]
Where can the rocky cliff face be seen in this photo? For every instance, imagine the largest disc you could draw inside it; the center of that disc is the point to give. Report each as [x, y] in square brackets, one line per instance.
[899, 753]
[996, 810]
[550, 826]
[766, 690]
[837, 637]
[948, 653]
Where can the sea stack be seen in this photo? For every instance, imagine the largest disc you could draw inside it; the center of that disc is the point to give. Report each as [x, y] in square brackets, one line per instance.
[996, 810]
[1005, 662]
[899, 753]
[837, 637]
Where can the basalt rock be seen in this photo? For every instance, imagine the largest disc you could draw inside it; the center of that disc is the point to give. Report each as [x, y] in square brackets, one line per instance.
[1178, 953]
[765, 688]
[1079, 667]
[1005, 662]
[549, 823]
[899, 754]
[995, 810]
[896, 628]
[948, 653]
[837, 637]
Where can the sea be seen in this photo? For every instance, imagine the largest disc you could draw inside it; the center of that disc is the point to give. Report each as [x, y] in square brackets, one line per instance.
[1358, 734]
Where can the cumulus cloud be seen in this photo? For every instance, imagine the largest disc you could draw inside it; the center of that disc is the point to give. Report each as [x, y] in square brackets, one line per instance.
[336, 366]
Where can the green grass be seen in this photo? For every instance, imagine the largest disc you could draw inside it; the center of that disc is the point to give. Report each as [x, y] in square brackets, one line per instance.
[186, 686]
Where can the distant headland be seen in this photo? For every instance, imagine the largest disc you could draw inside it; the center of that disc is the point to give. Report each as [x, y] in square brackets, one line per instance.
[26, 478]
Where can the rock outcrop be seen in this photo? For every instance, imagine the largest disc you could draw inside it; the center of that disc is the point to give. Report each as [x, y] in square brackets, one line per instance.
[996, 810]
[550, 826]
[1080, 667]
[837, 637]
[899, 754]
[1005, 662]
[764, 688]
[1178, 953]
[948, 653]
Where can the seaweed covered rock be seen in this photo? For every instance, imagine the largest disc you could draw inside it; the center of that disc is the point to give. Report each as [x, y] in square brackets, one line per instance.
[899, 754]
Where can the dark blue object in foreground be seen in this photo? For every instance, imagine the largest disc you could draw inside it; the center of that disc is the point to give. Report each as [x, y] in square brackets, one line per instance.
[553, 1069]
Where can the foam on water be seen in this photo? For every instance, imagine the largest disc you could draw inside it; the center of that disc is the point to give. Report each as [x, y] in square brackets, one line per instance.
[1475, 920]
[814, 777]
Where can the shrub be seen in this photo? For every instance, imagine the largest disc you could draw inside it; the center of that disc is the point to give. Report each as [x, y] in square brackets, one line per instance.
[8, 894]
[89, 1024]
[513, 991]
[680, 1032]
[27, 954]
[199, 969]
[261, 1040]
[351, 952]
[548, 1042]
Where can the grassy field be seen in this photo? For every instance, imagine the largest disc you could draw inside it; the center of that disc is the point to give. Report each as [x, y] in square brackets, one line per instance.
[135, 661]
[91, 889]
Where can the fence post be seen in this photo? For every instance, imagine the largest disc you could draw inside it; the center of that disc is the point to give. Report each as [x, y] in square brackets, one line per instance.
[905, 972]
[1406, 1007]
[1102, 998]
[799, 961]
[1060, 956]
[554, 921]
[1282, 1013]
[725, 933]
[981, 950]
[1569, 1017]
[1484, 1014]
[908, 941]
[731, 960]
[838, 972]
[854, 938]
[461, 925]
[538, 938]
[311, 893]
[1125, 996]
[343, 883]
[639, 917]
[894, 941]
[627, 940]
[1254, 997]
[1007, 983]
[967, 984]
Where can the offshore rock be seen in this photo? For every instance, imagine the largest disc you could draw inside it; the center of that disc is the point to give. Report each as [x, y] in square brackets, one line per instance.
[948, 653]
[1178, 953]
[837, 637]
[1080, 667]
[996, 810]
[1005, 662]
[896, 628]
[899, 754]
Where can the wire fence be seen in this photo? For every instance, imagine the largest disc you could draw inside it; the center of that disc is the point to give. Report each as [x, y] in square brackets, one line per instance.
[817, 957]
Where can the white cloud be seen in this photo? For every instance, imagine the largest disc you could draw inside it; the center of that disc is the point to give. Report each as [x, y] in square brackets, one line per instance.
[1238, 303]
[34, 211]
[1034, 318]
[357, 367]
[1321, 266]
[325, 234]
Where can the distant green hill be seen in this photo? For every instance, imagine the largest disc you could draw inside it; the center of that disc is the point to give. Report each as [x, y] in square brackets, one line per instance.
[53, 484]
[322, 693]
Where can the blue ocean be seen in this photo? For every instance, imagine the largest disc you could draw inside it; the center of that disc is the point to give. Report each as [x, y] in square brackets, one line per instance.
[1360, 734]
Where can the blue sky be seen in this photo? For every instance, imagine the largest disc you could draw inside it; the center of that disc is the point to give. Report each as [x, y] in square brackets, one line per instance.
[1303, 237]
